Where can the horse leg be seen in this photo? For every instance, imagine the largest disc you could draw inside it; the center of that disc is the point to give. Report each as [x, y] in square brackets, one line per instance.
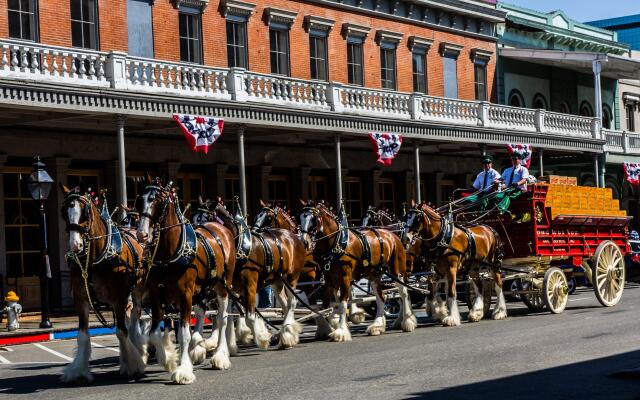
[342, 333]
[356, 314]
[232, 343]
[183, 375]
[220, 359]
[500, 311]
[334, 321]
[197, 349]
[165, 350]
[131, 363]
[439, 306]
[211, 342]
[136, 331]
[291, 329]
[261, 335]
[243, 332]
[477, 310]
[78, 370]
[407, 320]
[452, 302]
[379, 324]
[323, 327]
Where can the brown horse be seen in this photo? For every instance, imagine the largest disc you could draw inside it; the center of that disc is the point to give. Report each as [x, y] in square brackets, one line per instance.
[105, 264]
[350, 254]
[271, 256]
[183, 263]
[457, 249]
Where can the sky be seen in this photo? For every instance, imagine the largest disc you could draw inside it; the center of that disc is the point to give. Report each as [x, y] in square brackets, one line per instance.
[583, 10]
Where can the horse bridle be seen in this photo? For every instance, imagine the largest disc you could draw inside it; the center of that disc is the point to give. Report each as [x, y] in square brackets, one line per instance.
[422, 214]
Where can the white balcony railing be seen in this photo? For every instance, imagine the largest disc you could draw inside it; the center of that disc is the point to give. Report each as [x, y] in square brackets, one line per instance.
[35, 62]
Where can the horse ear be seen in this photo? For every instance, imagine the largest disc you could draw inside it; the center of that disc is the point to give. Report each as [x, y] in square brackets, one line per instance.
[413, 203]
[64, 189]
[262, 204]
[148, 178]
[304, 203]
[200, 201]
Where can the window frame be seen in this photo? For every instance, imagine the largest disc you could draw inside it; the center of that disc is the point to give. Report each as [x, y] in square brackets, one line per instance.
[280, 31]
[350, 199]
[94, 25]
[630, 116]
[273, 199]
[386, 82]
[355, 42]
[317, 35]
[237, 22]
[425, 77]
[382, 201]
[194, 13]
[481, 88]
[34, 20]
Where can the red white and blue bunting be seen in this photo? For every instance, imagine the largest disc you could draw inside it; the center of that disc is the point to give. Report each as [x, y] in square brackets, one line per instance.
[386, 146]
[525, 150]
[201, 132]
[632, 172]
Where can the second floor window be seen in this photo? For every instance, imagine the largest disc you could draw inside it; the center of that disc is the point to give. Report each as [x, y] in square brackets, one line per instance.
[279, 49]
[631, 125]
[237, 43]
[84, 24]
[23, 19]
[419, 72]
[450, 62]
[388, 67]
[355, 62]
[480, 74]
[318, 56]
[190, 37]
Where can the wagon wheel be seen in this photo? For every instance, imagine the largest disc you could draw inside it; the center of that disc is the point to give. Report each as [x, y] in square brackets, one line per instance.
[555, 290]
[533, 301]
[608, 273]
[487, 292]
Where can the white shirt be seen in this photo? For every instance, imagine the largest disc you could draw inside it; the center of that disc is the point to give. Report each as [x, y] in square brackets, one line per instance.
[483, 184]
[510, 176]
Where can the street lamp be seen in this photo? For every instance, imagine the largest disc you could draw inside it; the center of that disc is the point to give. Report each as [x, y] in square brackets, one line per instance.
[39, 184]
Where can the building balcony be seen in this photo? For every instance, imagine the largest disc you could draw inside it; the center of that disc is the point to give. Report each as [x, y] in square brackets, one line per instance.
[52, 68]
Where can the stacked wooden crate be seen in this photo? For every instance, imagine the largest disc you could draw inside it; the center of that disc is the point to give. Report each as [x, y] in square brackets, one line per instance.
[582, 200]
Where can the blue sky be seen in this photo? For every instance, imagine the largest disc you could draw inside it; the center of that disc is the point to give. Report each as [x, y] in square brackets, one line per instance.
[584, 10]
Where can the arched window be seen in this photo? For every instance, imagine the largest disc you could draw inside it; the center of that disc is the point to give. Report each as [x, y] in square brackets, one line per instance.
[606, 116]
[564, 108]
[585, 109]
[516, 99]
[539, 102]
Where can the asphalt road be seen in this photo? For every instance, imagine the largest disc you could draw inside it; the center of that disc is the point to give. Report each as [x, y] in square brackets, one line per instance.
[527, 356]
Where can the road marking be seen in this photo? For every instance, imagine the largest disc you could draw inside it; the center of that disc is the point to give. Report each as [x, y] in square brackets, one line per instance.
[105, 347]
[4, 360]
[582, 299]
[55, 353]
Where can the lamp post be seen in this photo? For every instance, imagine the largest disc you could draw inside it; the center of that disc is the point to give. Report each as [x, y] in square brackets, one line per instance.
[39, 184]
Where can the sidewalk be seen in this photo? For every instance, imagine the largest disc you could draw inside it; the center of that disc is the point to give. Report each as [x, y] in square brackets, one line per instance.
[64, 327]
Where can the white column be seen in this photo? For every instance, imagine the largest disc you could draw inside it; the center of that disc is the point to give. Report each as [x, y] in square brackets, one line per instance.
[417, 174]
[541, 162]
[596, 167]
[338, 172]
[122, 162]
[243, 179]
[597, 69]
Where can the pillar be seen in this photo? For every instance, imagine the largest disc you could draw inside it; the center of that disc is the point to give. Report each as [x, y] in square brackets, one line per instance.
[541, 162]
[596, 170]
[338, 167]
[3, 245]
[416, 173]
[241, 170]
[597, 69]
[121, 192]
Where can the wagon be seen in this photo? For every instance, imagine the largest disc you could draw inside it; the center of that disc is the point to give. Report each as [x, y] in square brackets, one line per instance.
[557, 234]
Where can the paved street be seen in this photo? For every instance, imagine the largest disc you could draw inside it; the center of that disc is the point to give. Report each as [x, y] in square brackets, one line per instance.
[527, 356]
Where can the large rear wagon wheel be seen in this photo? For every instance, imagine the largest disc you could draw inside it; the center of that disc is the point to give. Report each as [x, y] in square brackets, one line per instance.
[555, 290]
[607, 274]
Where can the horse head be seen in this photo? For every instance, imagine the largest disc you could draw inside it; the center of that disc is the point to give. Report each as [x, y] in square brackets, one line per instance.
[131, 218]
[418, 222]
[371, 217]
[79, 213]
[203, 212]
[152, 205]
[316, 219]
[266, 217]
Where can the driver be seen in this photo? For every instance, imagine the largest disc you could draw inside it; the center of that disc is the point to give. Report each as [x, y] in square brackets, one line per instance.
[516, 175]
[487, 177]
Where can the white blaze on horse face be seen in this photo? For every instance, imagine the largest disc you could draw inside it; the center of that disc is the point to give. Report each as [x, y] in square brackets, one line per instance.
[144, 224]
[75, 240]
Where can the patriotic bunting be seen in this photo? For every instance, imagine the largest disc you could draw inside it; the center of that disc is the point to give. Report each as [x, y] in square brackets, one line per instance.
[386, 146]
[523, 149]
[632, 172]
[201, 132]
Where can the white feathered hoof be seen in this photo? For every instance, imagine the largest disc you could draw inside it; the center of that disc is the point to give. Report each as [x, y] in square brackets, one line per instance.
[243, 332]
[357, 317]
[378, 327]
[171, 361]
[211, 343]
[409, 324]
[340, 335]
[440, 312]
[475, 315]
[334, 321]
[220, 361]
[197, 351]
[183, 376]
[261, 334]
[73, 374]
[451, 321]
[499, 314]
[290, 335]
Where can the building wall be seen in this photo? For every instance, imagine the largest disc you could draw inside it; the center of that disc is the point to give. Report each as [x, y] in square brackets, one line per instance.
[55, 29]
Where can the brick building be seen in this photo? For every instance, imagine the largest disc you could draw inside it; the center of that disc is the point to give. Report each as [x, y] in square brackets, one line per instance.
[299, 84]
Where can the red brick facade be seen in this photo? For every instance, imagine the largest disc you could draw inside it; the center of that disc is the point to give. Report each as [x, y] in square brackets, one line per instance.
[55, 29]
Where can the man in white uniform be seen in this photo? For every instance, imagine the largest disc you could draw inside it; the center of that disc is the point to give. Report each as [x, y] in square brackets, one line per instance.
[487, 177]
[517, 175]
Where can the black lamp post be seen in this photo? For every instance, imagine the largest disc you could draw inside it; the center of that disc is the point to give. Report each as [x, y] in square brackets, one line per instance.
[39, 184]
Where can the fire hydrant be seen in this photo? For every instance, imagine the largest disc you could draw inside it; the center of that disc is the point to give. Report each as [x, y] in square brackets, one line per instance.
[13, 310]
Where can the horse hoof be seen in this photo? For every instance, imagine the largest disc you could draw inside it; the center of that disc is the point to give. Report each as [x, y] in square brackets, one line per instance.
[375, 330]
[211, 343]
[77, 378]
[499, 314]
[334, 321]
[409, 324]
[220, 361]
[357, 317]
[198, 354]
[290, 335]
[183, 376]
[475, 315]
[450, 321]
[340, 335]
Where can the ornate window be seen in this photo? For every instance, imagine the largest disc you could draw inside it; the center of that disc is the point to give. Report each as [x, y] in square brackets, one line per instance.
[387, 194]
[419, 48]
[318, 29]
[480, 60]
[280, 22]
[23, 19]
[353, 198]
[355, 36]
[84, 24]
[190, 25]
[585, 109]
[540, 102]
[279, 190]
[631, 123]
[388, 42]
[516, 99]
[450, 53]
[237, 14]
